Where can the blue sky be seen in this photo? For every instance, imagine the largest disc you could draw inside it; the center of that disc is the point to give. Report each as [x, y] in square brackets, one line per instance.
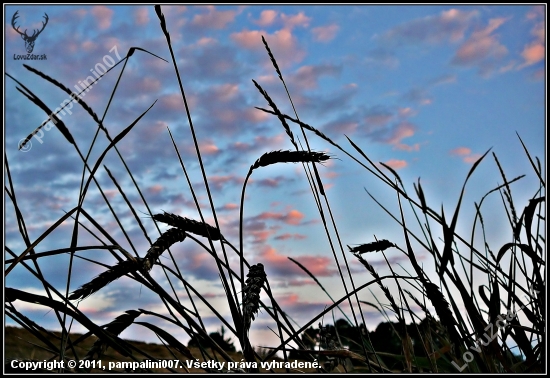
[424, 89]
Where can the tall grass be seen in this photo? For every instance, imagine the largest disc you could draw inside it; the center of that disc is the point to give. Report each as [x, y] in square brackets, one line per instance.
[446, 322]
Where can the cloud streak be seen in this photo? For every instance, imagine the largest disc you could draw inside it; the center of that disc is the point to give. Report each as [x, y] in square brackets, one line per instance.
[482, 49]
[450, 25]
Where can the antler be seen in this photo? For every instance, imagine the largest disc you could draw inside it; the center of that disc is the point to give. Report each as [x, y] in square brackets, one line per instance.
[35, 34]
[15, 15]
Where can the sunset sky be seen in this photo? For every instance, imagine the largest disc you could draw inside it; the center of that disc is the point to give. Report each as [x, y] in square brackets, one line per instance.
[424, 89]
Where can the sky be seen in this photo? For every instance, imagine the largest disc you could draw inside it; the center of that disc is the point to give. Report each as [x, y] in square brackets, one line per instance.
[427, 90]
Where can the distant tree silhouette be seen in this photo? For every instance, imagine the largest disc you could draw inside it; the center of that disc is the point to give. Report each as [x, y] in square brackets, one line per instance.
[387, 337]
[219, 337]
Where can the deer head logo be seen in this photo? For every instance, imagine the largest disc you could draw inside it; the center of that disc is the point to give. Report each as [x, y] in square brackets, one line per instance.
[29, 39]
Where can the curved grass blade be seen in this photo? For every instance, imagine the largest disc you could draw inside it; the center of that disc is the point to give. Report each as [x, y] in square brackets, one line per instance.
[114, 328]
[52, 117]
[524, 247]
[449, 231]
[118, 344]
[116, 139]
[37, 241]
[537, 171]
[171, 340]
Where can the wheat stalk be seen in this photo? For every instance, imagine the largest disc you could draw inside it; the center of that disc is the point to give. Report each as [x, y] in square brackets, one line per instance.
[72, 95]
[277, 112]
[387, 293]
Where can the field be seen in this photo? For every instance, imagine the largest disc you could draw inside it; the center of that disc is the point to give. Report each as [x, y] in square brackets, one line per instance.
[483, 311]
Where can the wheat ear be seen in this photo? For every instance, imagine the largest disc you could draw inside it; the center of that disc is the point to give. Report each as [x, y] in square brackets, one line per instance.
[105, 278]
[256, 279]
[113, 328]
[189, 225]
[164, 242]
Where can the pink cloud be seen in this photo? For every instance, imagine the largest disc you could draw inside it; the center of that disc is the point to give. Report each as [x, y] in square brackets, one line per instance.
[244, 147]
[345, 127]
[406, 147]
[454, 15]
[249, 39]
[418, 95]
[261, 236]
[482, 48]
[299, 19]
[331, 174]
[273, 142]
[325, 33]
[111, 193]
[539, 31]
[255, 115]
[267, 17]
[299, 282]
[282, 43]
[392, 134]
[103, 16]
[307, 76]
[150, 84]
[403, 130]
[378, 119]
[535, 51]
[79, 13]
[269, 182]
[291, 299]
[208, 147]
[205, 41]
[230, 206]
[145, 85]
[219, 182]
[214, 18]
[406, 112]
[173, 102]
[200, 265]
[141, 16]
[283, 40]
[396, 164]
[155, 189]
[288, 236]
[378, 116]
[444, 79]
[448, 25]
[461, 151]
[318, 265]
[153, 131]
[539, 75]
[109, 42]
[466, 153]
[472, 158]
[535, 12]
[226, 92]
[293, 217]
[88, 45]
